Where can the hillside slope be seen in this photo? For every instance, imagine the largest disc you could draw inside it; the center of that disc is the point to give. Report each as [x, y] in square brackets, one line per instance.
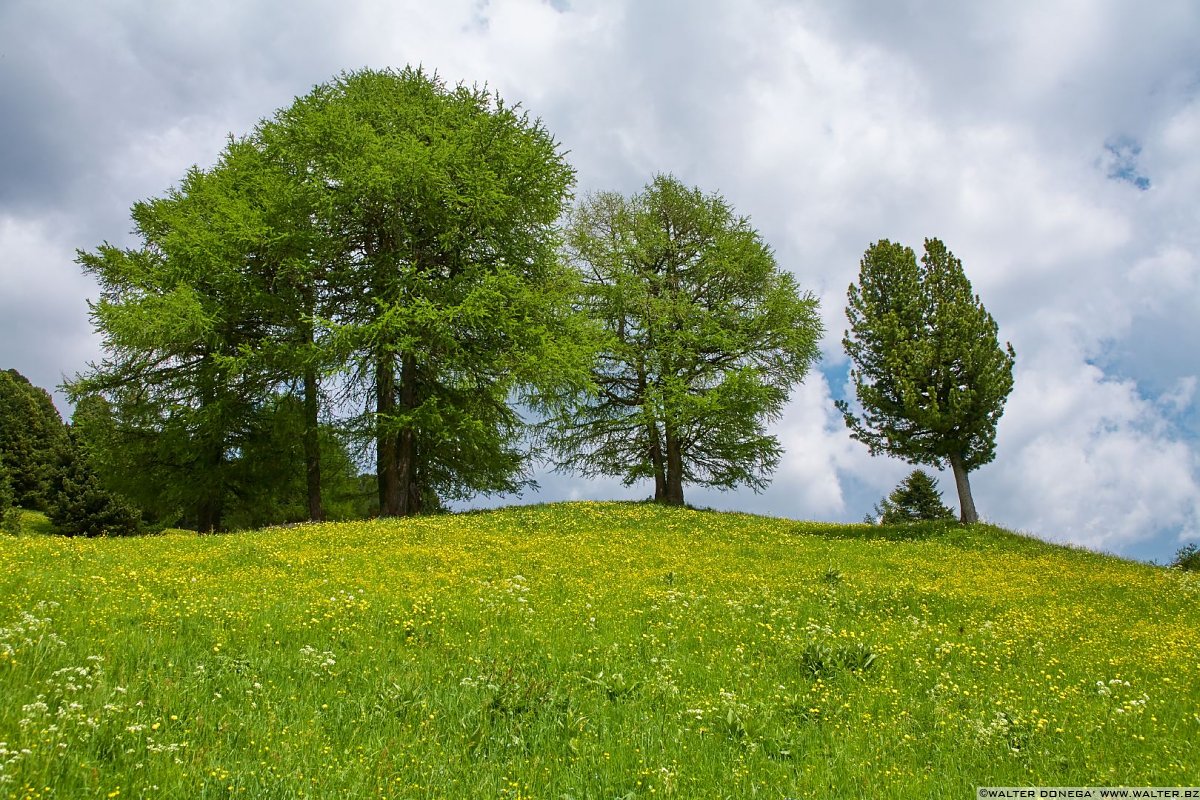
[590, 650]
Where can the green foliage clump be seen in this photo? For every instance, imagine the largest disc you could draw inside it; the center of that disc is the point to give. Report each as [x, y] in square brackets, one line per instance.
[820, 660]
[916, 498]
[6, 492]
[31, 432]
[81, 506]
[1188, 558]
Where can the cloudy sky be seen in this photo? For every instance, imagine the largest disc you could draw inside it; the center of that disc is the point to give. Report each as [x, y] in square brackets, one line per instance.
[1052, 144]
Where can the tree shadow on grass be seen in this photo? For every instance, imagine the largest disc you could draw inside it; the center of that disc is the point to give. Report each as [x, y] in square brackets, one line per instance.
[940, 530]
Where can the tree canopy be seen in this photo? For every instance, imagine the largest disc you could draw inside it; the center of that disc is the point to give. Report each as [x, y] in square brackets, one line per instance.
[703, 338]
[929, 372]
[438, 207]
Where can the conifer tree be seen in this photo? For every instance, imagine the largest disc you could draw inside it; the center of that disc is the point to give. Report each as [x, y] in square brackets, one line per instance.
[177, 316]
[704, 336]
[916, 498]
[81, 506]
[31, 433]
[928, 369]
[446, 297]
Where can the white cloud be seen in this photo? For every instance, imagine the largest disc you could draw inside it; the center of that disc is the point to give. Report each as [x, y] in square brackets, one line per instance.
[1165, 274]
[43, 313]
[1181, 397]
[1088, 460]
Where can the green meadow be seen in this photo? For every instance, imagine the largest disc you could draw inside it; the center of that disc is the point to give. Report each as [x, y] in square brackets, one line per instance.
[590, 651]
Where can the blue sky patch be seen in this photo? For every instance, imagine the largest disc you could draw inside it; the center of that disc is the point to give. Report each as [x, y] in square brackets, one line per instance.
[1120, 158]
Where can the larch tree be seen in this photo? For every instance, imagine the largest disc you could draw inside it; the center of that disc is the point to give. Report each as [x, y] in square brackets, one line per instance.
[185, 318]
[446, 298]
[704, 336]
[929, 372]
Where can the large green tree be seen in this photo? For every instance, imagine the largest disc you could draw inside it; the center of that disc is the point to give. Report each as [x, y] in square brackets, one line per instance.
[928, 368]
[188, 319]
[31, 435]
[446, 297]
[704, 337]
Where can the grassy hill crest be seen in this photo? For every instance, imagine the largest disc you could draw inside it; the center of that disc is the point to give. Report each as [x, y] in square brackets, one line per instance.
[590, 650]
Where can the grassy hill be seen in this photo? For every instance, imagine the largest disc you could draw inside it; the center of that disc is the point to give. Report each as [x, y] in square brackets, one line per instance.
[590, 650]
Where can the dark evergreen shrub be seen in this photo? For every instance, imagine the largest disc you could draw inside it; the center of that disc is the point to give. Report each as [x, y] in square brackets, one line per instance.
[6, 492]
[81, 506]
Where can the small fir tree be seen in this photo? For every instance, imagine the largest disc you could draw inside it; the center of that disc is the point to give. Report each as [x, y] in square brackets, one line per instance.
[916, 498]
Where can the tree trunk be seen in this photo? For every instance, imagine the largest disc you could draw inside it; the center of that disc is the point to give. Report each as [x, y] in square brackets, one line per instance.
[656, 460]
[208, 515]
[674, 494]
[406, 443]
[386, 467]
[312, 445]
[654, 441]
[966, 503]
[211, 505]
